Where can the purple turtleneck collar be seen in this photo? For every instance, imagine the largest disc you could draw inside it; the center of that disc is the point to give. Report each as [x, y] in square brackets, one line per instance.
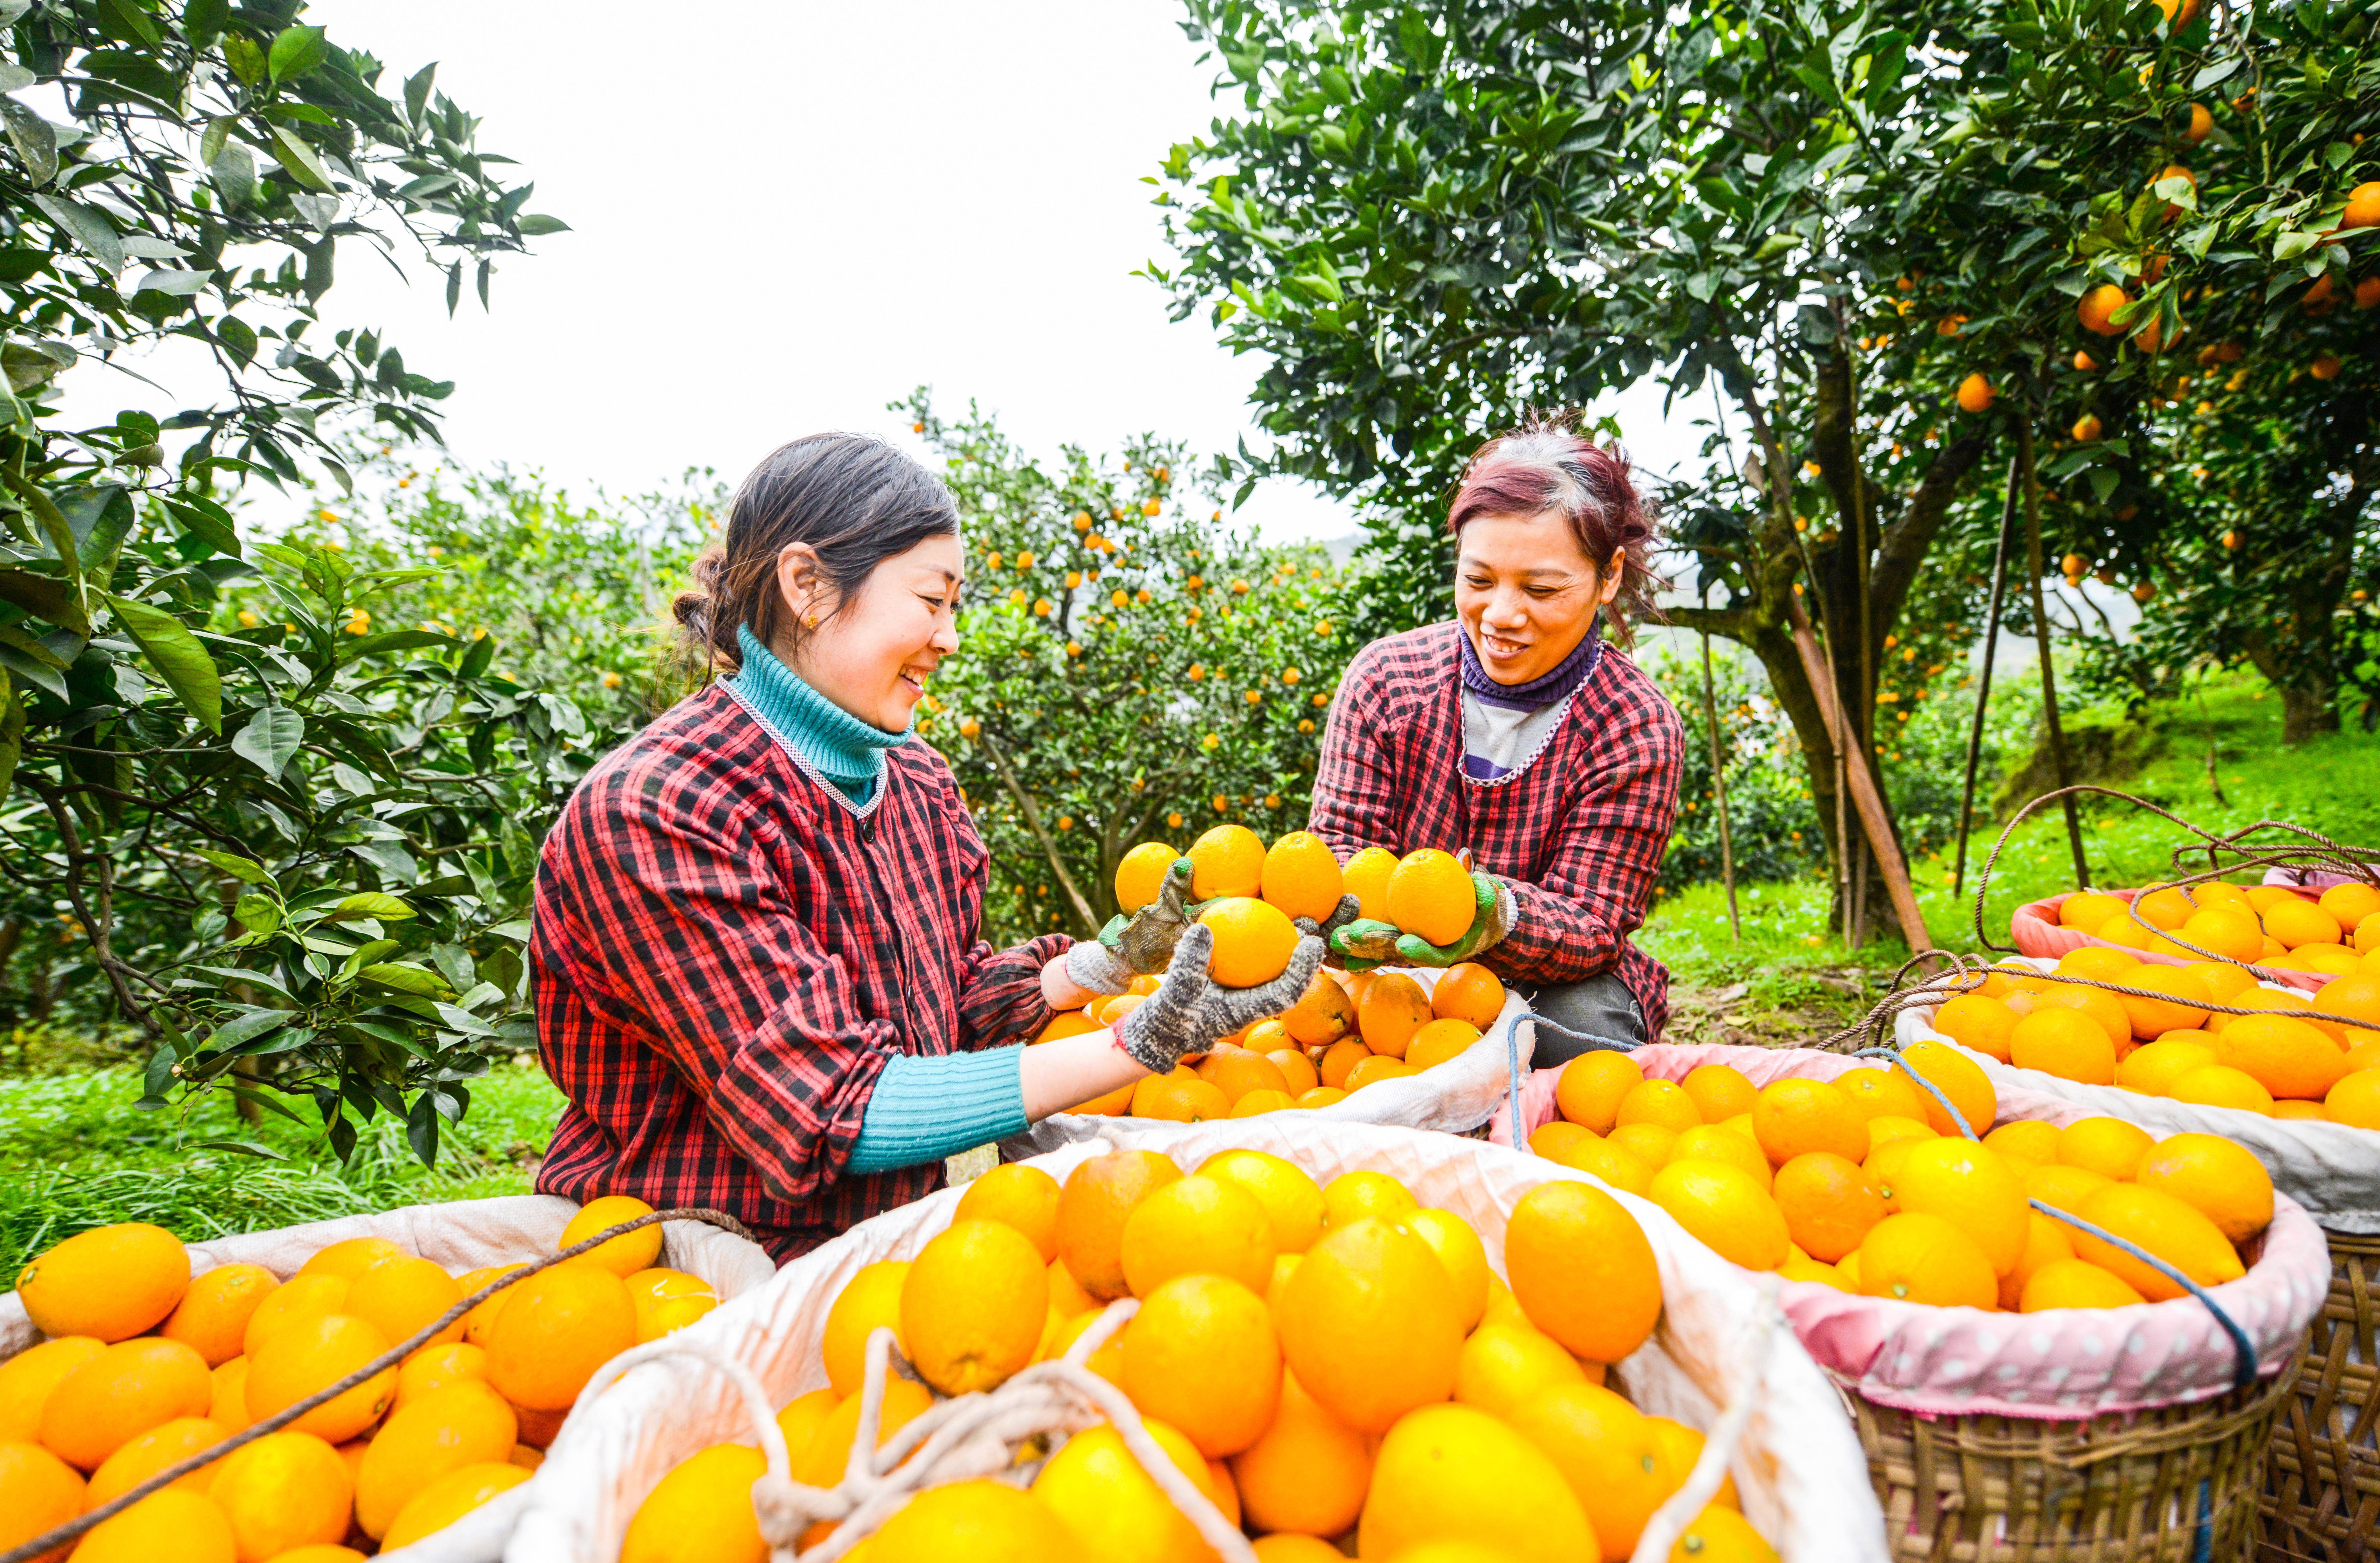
[1541, 691]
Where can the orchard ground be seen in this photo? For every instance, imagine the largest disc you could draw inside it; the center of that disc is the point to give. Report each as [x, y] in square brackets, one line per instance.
[74, 1153]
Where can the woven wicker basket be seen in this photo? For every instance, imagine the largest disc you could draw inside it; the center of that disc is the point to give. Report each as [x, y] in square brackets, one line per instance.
[2119, 1488]
[2321, 1482]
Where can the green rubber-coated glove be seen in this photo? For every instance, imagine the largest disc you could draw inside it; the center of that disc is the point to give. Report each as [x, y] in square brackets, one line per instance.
[1497, 910]
[1366, 939]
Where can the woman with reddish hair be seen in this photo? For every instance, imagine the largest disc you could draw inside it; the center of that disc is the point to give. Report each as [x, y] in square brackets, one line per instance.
[1520, 735]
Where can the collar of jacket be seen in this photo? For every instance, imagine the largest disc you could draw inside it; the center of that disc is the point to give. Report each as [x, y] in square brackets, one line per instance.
[826, 739]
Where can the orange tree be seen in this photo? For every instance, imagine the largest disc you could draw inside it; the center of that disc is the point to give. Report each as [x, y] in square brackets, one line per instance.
[1129, 668]
[295, 850]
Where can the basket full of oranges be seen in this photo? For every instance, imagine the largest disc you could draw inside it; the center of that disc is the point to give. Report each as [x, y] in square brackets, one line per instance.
[1264, 1339]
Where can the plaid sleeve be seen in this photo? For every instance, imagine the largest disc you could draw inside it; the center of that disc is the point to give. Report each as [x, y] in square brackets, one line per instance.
[1354, 785]
[1575, 920]
[1000, 992]
[677, 920]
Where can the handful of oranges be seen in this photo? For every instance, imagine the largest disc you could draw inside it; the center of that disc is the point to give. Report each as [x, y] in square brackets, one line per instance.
[146, 1365]
[1348, 1031]
[1864, 1183]
[2281, 1062]
[1324, 1363]
[2270, 925]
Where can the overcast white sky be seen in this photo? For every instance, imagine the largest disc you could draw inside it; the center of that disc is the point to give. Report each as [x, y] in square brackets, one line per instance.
[788, 212]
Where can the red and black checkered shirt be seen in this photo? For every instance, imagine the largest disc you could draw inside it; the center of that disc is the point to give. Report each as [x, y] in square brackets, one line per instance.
[726, 956]
[1580, 832]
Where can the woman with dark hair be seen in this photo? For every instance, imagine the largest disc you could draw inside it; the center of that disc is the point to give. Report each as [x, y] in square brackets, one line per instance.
[757, 975]
[1519, 736]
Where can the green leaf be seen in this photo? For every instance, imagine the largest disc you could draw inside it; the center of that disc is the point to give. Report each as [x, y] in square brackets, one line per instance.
[12, 735]
[241, 1147]
[233, 171]
[404, 976]
[417, 91]
[203, 21]
[245, 869]
[296, 50]
[537, 223]
[260, 914]
[395, 640]
[372, 903]
[86, 225]
[177, 655]
[300, 159]
[270, 739]
[35, 139]
[241, 1028]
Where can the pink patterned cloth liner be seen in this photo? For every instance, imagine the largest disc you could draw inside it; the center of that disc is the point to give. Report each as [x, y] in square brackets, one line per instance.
[2065, 1364]
[2038, 932]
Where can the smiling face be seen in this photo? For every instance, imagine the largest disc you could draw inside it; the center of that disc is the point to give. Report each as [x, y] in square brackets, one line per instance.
[872, 654]
[1527, 593]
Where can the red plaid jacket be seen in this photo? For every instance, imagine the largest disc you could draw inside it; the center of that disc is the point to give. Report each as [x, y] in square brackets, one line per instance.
[725, 957]
[1581, 832]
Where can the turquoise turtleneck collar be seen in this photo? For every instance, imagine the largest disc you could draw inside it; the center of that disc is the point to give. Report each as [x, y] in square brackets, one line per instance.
[821, 735]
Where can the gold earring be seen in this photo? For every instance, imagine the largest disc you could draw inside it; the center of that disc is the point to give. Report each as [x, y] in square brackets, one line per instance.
[810, 622]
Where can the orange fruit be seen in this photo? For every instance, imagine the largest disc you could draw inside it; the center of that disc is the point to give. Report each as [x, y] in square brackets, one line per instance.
[401, 1297]
[1883, 1093]
[1793, 1117]
[1300, 876]
[1179, 1098]
[1391, 1009]
[1593, 1085]
[1462, 1255]
[1067, 1023]
[1828, 1203]
[1369, 1322]
[229, 1407]
[2164, 1226]
[2027, 1139]
[2108, 1146]
[2349, 903]
[1322, 1015]
[1366, 876]
[350, 1258]
[39, 1492]
[2218, 1178]
[1454, 1473]
[1438, 1041]
[141, 1458]
[2297, 922]
[301, 1297]
[1974, 1020]
[1584, 1269]
[561, 1325]
[826, 1459]
[1195, 1224]
[1711, 1142]
[450, 1498]
[1917, 1256]
[1682, 1449]
[2287, 1057]
[1351, 1196]
[2355, 1100]
[290, 1489]
[1609, 1162]
[1308, 1471]
[1970, 1185]
[30, 1377]
[1958, 1077]
[2045, 1243]
[462, 1425]
[2165, 906]
[980, 1519]
[801, 1419]
[2099, 962]
[1719, 1090]
[1202, 1354]
[119, 1393]
[1502, 1365]
[1296, 1070]
[1884, 1131]
[623, 1256]
[1661, 1102]
[1292, 1547]
[1374, 1070]
[1320, 1096]
[435, 1367]
[1609, 1453]
[1092, 1207]
[1019, 1196]
[1726, 1210]
[1226, 861]
[2074, 1283]
[871, 1299]
[1430, 894]
[1551, 1139]
[1140, 874]
[2087, 909]
[2013, 974]
[1100, 1494]
[2152, 1068]
[2103, 1009]
[975, 1303]
[476, 1324]
[313, 1353]
[175, 1523]
[2233, 935]
[1236, 1073]
[212, 1316]
[2098, 309]
[2300, 1110]
[1293, 1202]
[1339, 1061]
[2065, 1042]
[1254, 941]
[1469, 991]
[2064, 1187]
[1648, 1143]
[110, 1283]
[702, 1509]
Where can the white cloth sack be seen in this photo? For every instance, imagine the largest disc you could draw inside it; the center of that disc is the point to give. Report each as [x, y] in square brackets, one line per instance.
[2330, 1169]
[464, 1235]
[1456, 1097]
[1799, 1467]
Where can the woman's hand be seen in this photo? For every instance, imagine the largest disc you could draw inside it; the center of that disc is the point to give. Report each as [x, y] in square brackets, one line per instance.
[1190, 1012]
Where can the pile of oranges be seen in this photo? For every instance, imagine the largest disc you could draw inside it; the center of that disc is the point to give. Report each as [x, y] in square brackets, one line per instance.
[2270, 925]
[1325, 1363]
[146, 1365]
[1866, 1184]
[1248, 893]
[2273, 1062]
[1349, 1030]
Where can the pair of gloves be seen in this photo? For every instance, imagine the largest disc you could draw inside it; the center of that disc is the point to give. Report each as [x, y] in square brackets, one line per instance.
[1190, 1013]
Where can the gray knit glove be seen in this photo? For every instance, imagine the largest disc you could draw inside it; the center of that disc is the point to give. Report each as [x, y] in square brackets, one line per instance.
[1190, 1012]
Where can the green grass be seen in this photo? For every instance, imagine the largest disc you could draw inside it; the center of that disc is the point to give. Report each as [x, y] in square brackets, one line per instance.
[75, 1153]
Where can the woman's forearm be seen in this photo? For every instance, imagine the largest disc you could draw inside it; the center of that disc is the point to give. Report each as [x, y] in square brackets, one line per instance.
[1072, 1071]
[924, 1110]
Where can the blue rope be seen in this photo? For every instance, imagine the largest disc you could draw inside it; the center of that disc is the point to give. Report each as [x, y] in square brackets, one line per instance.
[2243, 1371]
[1512, 1080]
[1593, 1044]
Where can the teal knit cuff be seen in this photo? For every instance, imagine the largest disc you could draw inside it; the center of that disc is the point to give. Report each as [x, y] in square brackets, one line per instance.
[924, 1110]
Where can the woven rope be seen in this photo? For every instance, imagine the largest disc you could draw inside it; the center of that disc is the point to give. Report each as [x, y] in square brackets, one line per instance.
[394, 1356]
